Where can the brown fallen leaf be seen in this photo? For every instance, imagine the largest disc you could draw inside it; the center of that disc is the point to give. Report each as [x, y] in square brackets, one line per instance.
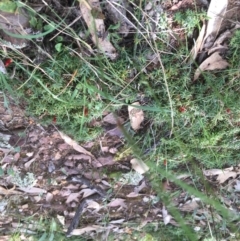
[112, 119]
[189, 206]
[215, 61]
[136, 116]
[223, 175]
[74, 144]
[103, 161]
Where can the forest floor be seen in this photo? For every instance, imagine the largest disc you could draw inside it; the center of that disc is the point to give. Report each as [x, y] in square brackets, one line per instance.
[119, 120]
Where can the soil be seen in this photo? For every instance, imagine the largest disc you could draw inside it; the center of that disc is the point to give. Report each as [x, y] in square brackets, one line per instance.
[29, 147]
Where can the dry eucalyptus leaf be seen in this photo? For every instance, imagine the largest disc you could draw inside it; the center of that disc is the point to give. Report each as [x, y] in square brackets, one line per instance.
[73, 197]
[210, 30]
[74, 144]
[215, 61]
[92, 15]
[223, 177]
[86, 230]
[136, 116]
[87, 192]
[139, 166]
[117, 202]
[216, 12]
[32, 190]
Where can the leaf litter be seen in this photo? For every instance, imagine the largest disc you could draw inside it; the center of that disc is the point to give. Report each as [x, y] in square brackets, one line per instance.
[130, 191]
[63, 157]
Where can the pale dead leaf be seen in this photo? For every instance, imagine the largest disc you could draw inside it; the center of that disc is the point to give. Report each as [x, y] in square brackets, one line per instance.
[87, 192]
[223, 177]
[4, 191]
[57, 156]
[61, 219]
[209, 31]
[74, 144]
[117, 202]
[166, 216]
[27, 164]
[117, 221]
[115, 132]
[215, 61]
[216, 12]
[112, 119]
[132, 194]
[139, 166]
[136, 116]
[104, 148]
[92, 204]
[49, 197]
[237, 186]
[65, 192]
[86, 230]
[212, 172]
[189, 206]
[32, 190]
[104, 161]
[96, 27]
[113, 150]
[73, 197]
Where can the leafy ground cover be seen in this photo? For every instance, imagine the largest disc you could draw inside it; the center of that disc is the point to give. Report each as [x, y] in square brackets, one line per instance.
[182, 132]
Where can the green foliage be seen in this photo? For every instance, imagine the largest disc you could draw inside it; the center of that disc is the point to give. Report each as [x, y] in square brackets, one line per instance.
[8, 6]
[190, 19]
[72, 90]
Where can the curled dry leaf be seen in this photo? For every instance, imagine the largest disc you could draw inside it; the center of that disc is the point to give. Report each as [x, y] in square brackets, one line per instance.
[94, 18]
[215, 61]
[223, 175]
[139, 166]
[216, 12]
[74, 144]
[136, 116]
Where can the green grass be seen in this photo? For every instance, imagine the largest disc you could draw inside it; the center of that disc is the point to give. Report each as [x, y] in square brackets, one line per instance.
[194, 123]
